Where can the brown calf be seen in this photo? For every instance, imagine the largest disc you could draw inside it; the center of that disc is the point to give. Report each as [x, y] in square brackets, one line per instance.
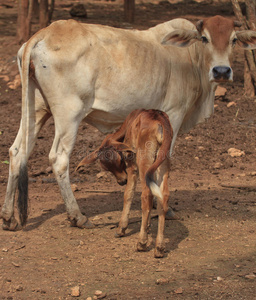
[141, 146]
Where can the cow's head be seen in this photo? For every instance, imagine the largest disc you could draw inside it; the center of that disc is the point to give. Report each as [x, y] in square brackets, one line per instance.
[111, 157]
[218, 36]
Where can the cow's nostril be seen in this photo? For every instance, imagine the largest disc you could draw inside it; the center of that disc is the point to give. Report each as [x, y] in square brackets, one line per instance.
[221, 72]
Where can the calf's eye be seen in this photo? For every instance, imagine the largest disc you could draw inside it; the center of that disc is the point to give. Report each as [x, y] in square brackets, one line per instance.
[234, 41]
[204, 39]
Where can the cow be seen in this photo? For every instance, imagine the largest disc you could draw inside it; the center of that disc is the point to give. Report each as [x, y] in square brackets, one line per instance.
[140, 147]
[74, 71]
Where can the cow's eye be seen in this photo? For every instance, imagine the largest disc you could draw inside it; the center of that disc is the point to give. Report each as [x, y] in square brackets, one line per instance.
[234, 41]
[204, 39]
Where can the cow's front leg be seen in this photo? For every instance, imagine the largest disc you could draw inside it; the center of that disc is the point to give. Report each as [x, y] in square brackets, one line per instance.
[146, 205]
[66, 127]
[128, 196]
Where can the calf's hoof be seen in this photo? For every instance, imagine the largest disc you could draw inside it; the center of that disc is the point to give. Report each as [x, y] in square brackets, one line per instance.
[141, 247]
[170, 215]
[11, 225]
[120, 232]
[159, 252]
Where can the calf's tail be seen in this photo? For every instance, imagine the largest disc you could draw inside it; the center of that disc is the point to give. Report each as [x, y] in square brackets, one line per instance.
[164, 137]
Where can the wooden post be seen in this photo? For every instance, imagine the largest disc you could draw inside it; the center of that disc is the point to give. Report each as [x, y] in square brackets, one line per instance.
[129, 10]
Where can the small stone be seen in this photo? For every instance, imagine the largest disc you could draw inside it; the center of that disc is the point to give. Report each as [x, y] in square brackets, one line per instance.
[48, 170]
[19, 288]
[250, 276]
[15, 83]
[96, 218]
[179, 290]
[5, 78]
[74, 187]
[252, 174]
[189, 138]
[101, 174]
[101, 296]
[241, 175]
[89, 298]
[231, 104]
[5, 250]
[201, 148]
[219, 278]
[162, 281]
[75, 291]
[220, 91]
[233, 152]
[218, 165]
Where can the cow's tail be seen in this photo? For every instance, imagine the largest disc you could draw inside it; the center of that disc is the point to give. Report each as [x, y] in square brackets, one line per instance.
[164, 137]
[25, 125]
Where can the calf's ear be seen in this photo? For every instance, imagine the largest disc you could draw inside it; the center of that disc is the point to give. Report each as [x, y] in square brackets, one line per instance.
[121, 146]
[181, 38]
[246, 39]
[88, 159]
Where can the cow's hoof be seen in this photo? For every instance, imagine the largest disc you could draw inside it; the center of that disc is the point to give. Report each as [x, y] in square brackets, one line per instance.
[159, 252]
[82, 223]
[11, 225]
[170, 215]
[87, 224]
[141, 247]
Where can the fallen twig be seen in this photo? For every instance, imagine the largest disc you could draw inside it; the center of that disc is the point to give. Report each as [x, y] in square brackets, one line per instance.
[240, 187]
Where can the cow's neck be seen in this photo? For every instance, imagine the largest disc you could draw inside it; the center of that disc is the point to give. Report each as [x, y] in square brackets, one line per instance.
[200, 102]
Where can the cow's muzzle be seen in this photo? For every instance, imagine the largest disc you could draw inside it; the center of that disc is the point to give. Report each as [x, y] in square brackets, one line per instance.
[222, 73]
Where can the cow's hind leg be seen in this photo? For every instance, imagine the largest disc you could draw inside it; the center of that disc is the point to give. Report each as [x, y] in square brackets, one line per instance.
[66, 126]
[7, 213]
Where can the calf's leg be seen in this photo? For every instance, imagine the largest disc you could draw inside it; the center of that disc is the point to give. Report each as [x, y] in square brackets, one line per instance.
[146, 205]
[162, 208]
[128, 197]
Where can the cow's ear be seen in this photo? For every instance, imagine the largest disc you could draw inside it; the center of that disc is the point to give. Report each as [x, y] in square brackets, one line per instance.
[88, 159]
[181, 38]
[246, 39]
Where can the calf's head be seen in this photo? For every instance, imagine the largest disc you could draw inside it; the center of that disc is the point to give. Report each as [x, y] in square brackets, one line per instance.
[111, 158]
[218, 37]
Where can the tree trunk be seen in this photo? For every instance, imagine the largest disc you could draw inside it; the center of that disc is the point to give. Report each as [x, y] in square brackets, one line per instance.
[129, 10]
[23, 27]
[28, 9]
[43, 13]
[248, 22]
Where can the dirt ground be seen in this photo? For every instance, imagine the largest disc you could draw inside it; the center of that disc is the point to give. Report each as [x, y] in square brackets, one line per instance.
[210, 250]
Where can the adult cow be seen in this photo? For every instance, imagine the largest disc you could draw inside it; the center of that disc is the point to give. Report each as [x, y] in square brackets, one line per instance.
[76, 71]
